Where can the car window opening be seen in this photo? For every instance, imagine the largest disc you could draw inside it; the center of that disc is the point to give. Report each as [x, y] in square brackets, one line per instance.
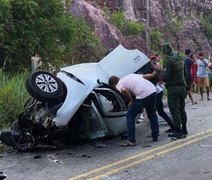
[72, 77]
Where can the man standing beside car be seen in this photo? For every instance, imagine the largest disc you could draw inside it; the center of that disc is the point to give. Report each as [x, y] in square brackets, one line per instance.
[173, 76]
[145, 97]
[157, 81]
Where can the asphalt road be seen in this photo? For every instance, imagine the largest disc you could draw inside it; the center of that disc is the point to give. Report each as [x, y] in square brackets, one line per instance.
[189, 159]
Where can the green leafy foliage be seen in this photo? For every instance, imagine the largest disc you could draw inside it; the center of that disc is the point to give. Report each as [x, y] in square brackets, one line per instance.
[106, 13]
[85, 46]
[134, 28]
[175, 25]
[127, 27]
[207, 23]
[118, 19]
[29, 27]
[155, 40]
[39, 27]
[12, 97]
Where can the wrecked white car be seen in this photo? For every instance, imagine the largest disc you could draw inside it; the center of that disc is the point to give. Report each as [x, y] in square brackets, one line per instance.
[75, 104]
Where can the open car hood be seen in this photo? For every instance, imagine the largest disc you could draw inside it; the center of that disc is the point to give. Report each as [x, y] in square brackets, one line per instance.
[122, 61]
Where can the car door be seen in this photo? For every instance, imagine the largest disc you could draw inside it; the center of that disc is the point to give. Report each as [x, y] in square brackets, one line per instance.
[112, 109]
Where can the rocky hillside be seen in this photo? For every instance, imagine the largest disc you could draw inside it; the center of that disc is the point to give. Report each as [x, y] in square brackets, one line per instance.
[179, 22]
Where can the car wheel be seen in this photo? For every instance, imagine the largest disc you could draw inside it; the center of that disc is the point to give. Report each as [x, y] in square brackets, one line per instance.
[44, 86]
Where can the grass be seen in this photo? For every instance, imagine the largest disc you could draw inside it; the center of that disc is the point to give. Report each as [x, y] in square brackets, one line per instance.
[13, 96]
[4, 148]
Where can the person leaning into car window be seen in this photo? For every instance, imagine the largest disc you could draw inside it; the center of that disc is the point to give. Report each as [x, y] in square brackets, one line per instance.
[145, 97]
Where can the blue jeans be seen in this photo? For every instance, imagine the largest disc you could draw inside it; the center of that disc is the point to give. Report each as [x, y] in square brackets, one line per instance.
[161, 112]
[149, 103]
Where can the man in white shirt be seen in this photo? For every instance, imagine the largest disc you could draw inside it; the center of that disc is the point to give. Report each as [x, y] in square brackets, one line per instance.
[202, 78]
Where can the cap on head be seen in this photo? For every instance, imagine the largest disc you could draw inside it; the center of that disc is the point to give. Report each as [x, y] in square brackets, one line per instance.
[166, 48]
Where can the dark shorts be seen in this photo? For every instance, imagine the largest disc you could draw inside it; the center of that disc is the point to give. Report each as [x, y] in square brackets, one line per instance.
[189, 84]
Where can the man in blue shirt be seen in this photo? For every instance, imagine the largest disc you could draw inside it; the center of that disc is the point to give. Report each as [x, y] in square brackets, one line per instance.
[202, 77]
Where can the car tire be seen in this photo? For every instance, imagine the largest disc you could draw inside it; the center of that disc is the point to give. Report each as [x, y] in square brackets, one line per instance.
[44, 86]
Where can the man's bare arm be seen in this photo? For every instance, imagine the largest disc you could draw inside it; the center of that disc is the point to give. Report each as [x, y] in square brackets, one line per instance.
[127, 94]
[150, 75]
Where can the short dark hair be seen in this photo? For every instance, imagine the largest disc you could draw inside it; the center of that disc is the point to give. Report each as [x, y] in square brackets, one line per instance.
[113, 80]
[191, 56]
[201, 54]
[187, 51]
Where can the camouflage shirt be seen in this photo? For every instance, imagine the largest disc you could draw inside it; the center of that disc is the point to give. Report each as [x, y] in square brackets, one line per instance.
[173, 70]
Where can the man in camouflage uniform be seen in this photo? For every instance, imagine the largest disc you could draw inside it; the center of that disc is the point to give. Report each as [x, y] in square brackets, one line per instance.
[173, 75]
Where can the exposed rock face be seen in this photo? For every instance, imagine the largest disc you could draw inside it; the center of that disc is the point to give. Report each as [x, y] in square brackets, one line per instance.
[190, 11]
[161, 13]
[108, 33]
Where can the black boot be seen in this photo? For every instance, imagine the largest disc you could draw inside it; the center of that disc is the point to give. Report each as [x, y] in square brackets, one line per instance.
[177, 134]
[184, 129]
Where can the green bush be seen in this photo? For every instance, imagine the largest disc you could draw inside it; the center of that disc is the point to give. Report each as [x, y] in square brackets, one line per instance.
[118, 19]
[85, 46]
[173, 24]
[206, 24]
[155, 39]
[106, 13]
[135, 28]
[12, 97]
[127, 27]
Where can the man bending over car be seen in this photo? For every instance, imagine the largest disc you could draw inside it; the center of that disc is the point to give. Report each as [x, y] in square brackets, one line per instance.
[145, 97]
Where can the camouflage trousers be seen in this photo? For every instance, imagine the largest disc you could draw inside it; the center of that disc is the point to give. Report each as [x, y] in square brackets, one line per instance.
[176, 103]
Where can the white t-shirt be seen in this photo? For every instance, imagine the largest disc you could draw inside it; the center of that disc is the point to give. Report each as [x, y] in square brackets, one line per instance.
[136, 84]
[201, 68]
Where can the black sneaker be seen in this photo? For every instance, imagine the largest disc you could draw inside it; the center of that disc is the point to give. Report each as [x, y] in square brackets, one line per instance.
[183, 136]
[175, 136]
[169, 131]
[184, 133]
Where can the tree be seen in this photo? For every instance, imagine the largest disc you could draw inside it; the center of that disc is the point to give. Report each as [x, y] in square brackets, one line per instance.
[29, 27]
